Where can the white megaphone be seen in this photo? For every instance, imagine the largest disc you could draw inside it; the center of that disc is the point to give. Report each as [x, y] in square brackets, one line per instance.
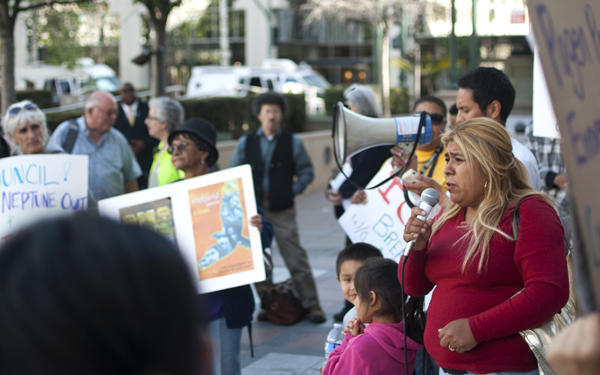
[353, 133]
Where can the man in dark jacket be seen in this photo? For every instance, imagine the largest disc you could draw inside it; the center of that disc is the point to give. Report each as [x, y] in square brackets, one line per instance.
[130, 121]
[277, 158]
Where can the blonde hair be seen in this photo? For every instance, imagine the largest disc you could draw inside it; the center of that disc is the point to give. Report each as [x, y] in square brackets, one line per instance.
[487, 144]
[12, 123]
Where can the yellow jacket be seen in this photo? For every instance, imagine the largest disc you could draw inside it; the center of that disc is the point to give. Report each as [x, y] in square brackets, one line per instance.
[167, 173]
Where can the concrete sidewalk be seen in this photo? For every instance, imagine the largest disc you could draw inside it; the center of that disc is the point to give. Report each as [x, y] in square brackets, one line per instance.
[298, 349]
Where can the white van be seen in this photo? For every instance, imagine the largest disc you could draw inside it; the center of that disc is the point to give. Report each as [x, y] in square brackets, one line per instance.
[68, 86]
[280, 75]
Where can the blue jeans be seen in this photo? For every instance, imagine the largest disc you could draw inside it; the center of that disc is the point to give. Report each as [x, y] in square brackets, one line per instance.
[226, 347]
[431, 368]
[534, 372]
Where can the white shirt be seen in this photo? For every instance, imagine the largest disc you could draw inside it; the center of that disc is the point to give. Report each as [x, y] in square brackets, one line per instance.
[127, 108]
[526, 157]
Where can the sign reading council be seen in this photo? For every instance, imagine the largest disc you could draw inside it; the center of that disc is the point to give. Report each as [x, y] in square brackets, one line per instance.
[34, 187]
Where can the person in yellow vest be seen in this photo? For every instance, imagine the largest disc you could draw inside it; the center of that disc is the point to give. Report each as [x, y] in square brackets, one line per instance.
[164, 117]
[430, 157]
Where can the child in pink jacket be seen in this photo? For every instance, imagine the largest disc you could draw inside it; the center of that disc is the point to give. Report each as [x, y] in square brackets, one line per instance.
[379, 348]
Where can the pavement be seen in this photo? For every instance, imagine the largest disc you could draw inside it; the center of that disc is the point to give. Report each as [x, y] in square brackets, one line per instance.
[299, 349]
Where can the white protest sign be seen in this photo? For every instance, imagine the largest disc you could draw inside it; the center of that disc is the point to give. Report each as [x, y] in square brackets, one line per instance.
[568, 37]
[36, 187]
[544, 120]
[208, 218]
[380, 222]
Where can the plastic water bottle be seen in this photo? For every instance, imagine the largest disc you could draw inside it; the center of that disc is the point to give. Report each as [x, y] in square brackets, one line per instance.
[334, 339]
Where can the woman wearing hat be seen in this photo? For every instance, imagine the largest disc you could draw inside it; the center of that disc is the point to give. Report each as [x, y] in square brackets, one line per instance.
[193, 150]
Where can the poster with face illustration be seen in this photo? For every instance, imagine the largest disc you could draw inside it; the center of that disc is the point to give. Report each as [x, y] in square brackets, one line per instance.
[208, 218]
[220, 227]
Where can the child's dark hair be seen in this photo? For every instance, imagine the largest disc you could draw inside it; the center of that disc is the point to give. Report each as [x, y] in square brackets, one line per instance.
[381, 277]
[359, 251]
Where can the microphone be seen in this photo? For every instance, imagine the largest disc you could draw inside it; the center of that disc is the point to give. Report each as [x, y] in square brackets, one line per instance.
[429, 198]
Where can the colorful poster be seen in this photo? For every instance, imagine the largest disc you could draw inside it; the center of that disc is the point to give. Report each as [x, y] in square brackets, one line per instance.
[35, 187]
[207, 217]
[220, 227]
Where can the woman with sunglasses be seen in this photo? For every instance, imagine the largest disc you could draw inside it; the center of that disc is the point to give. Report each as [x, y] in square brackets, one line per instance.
[193, 150]
[25, 125]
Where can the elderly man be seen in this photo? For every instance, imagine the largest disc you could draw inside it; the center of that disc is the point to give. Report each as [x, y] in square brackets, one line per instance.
[281, 169]
[131, 117]
[113, 169]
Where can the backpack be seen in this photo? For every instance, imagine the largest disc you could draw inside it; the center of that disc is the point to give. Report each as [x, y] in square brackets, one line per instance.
[282, 304]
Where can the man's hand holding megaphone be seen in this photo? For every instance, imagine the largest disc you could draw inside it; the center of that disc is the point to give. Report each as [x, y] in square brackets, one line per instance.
[398, 162]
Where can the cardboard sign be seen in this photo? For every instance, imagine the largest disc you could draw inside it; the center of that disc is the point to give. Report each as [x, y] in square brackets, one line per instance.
[208, 218]
[380, 222]
[35, 187]
[568, 37]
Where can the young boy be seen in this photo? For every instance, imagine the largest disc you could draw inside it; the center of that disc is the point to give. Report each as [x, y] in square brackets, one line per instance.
[348, 261]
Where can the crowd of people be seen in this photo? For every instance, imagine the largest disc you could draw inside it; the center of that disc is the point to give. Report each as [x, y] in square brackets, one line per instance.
[477, 276]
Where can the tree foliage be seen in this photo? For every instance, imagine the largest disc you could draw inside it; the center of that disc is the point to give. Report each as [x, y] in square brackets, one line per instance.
[9, 11]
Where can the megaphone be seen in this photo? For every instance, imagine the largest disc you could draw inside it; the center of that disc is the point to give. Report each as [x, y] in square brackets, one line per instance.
[353, 133]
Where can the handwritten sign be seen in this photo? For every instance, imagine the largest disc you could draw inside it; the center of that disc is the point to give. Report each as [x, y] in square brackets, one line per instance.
[208, 218]
[35, 187]
[380, 222]
[568, 37]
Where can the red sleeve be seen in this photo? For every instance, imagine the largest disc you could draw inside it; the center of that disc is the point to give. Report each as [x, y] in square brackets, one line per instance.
[416, 284]
[541, 260]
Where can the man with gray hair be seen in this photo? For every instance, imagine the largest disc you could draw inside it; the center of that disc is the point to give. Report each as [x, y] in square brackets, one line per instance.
[113, 169]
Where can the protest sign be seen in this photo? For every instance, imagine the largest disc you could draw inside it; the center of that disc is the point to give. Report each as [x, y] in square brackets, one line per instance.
[380, 222]
[208, 218]
[568, 37]
[36, 187]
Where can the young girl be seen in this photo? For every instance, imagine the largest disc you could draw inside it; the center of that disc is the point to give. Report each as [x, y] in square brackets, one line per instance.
[379, 348]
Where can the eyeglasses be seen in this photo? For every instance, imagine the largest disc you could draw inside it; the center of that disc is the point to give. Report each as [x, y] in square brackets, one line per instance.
[152, 118]
[110, 112]
[127, 90]
[28, 107]
[179, 148]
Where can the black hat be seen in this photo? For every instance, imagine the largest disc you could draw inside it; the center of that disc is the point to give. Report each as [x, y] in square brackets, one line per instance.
[205, 131]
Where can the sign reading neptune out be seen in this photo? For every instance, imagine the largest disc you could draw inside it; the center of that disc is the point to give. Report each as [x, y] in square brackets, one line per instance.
[34, 187]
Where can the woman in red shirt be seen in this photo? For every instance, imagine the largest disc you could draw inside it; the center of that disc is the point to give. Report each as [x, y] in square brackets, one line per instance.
[488, 286]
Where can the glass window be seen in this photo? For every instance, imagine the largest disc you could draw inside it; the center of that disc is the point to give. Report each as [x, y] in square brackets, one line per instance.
[255, 81]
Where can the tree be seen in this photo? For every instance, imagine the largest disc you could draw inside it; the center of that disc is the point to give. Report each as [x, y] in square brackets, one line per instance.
[158, 11]
[380, 13]
[9, 10]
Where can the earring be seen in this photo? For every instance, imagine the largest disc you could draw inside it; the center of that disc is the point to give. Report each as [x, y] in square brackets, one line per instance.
[485, 186]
